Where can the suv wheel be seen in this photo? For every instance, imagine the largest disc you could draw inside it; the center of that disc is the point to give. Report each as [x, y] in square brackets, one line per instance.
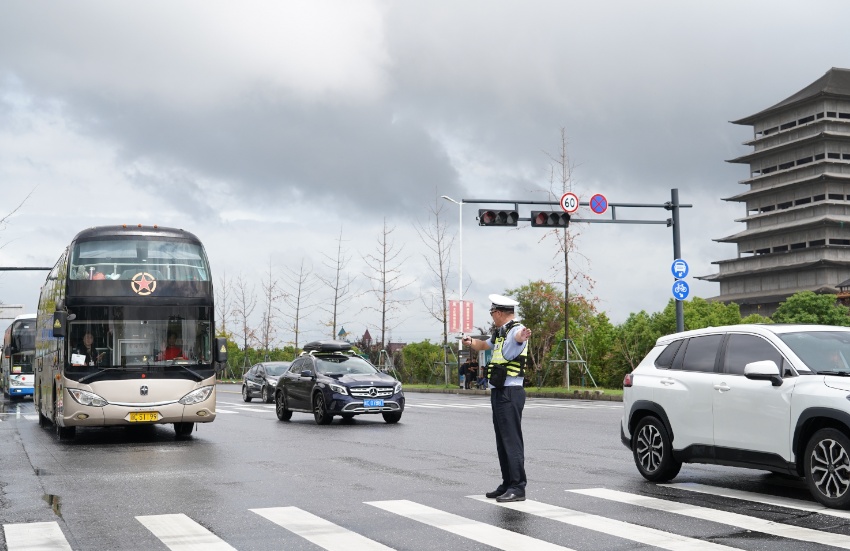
[320, 413]
[245, 395]
[392, 417]
[653, 451]
[267, 397]
[283, 413]
[827, 468]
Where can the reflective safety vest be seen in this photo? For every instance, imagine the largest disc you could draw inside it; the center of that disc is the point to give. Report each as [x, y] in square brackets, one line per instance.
[515, 367]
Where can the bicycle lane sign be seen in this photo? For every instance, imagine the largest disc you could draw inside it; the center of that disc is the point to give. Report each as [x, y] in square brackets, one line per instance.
[680, 290]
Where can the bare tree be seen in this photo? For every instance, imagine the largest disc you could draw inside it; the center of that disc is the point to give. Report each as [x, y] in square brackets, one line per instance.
[339, 282]
[272, 295]
[223, 298]
[300, 287]
[244, 303]
[386, 281]
[439, 245]
[560, 182]
[5, 219]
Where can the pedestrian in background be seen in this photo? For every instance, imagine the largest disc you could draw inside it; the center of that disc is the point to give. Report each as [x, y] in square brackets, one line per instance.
[506, 372]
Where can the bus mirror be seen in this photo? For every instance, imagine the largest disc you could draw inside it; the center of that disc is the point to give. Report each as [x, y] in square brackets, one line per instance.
[60, 320]
[220, 349]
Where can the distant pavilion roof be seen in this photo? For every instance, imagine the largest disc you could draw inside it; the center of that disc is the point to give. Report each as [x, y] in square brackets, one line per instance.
[835, 83]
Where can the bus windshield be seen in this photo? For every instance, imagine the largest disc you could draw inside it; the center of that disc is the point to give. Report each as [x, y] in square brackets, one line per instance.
[20, 346]
[160, 340]
[129, 258]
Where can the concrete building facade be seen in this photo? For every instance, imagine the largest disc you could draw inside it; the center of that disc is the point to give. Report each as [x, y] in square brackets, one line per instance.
[797, 234]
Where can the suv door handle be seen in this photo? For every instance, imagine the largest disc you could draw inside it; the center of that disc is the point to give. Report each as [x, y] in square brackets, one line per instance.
[722, 387]
[667, 381]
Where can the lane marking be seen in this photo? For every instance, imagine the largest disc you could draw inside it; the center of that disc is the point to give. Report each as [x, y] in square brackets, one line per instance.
[766, 499]
[180, 533]
[35, 536]
[319, 531]
[620, 529]
[722, 517]
[467, 528]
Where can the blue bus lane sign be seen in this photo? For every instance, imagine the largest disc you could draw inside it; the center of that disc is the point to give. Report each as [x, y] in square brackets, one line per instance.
[679, 268]
[680, 290]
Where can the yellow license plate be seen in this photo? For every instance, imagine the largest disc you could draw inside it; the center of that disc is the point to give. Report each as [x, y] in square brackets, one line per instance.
[144, 416]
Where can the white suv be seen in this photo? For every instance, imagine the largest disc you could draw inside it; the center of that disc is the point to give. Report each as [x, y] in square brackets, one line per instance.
[772, 397]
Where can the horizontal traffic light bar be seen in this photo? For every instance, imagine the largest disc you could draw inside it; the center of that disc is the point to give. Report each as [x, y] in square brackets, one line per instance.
[497, 217]
[549, 219]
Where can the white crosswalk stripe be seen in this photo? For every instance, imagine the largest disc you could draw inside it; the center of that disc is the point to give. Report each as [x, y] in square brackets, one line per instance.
[35, 536]
[180, 533]
[319, 531]
[470, 529]
[625, 530]
[760, 498]
[723, 517]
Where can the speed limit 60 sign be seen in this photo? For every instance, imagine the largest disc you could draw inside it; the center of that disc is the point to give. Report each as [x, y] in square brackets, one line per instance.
[569, 202]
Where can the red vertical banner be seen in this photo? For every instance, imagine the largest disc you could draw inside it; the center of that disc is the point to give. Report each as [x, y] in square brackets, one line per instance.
[467, 316]
[454, 316]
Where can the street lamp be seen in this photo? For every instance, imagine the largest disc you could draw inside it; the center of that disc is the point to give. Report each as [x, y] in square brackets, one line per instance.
[459, 263]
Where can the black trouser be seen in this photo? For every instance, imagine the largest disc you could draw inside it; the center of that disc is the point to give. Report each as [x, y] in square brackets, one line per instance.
[507, 404]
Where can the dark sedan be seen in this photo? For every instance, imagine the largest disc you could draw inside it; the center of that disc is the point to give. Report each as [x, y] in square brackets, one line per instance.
[327, 379]
[261, 380]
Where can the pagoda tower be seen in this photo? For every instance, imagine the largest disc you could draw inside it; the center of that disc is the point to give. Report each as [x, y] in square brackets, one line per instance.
[797, 235]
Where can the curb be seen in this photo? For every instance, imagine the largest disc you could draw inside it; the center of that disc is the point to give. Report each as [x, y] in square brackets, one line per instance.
[565, 395]
[574, 395]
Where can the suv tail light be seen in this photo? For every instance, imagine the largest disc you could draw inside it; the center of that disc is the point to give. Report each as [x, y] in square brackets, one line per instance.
[627, 380]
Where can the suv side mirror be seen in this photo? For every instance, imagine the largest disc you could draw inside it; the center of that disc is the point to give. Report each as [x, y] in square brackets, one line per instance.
[765, 370]
[306, 373]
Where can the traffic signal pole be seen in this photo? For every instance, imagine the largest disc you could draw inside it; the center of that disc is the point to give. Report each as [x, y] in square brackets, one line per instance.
[510, 217]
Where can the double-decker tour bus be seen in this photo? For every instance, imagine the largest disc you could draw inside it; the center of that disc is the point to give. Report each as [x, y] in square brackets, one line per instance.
[16, 372]
[126, 332]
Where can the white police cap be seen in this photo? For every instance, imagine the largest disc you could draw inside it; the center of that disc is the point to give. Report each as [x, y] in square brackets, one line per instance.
[502, 302]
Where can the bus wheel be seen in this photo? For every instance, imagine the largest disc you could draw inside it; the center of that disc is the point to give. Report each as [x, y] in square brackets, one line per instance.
[63, 433]
[184, 430]
[43, 421]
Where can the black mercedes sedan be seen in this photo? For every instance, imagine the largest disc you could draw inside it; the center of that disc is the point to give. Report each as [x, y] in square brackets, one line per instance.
[328, 379]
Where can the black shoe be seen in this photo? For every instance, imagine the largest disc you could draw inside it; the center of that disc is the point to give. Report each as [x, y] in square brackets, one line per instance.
[510, 496]
[496, 493]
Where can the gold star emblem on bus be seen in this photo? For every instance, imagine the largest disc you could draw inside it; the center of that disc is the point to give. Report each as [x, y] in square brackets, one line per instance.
[143, 284]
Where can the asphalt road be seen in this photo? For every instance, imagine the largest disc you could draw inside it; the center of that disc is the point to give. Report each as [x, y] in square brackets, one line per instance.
[251, 482]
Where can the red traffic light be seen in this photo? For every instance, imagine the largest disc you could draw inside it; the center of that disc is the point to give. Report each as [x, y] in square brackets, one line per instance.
[497, 217]
[549, 219]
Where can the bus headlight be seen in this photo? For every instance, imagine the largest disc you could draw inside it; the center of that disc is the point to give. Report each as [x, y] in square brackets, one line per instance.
[196, 396]
[86, 398]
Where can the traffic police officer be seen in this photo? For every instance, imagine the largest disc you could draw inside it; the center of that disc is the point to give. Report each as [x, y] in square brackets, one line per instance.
[505, 372]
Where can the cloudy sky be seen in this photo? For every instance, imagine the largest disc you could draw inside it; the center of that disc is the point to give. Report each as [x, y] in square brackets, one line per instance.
[267, 128]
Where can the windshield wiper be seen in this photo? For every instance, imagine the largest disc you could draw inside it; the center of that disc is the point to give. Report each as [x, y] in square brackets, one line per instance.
[96, 373]
[198, 376]
[834, 372]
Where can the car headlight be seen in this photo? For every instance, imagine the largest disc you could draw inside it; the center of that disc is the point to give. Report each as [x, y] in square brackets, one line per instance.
[339, 389]
[86, 398]
[196, 396]
[271, 382]
[397, 388]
